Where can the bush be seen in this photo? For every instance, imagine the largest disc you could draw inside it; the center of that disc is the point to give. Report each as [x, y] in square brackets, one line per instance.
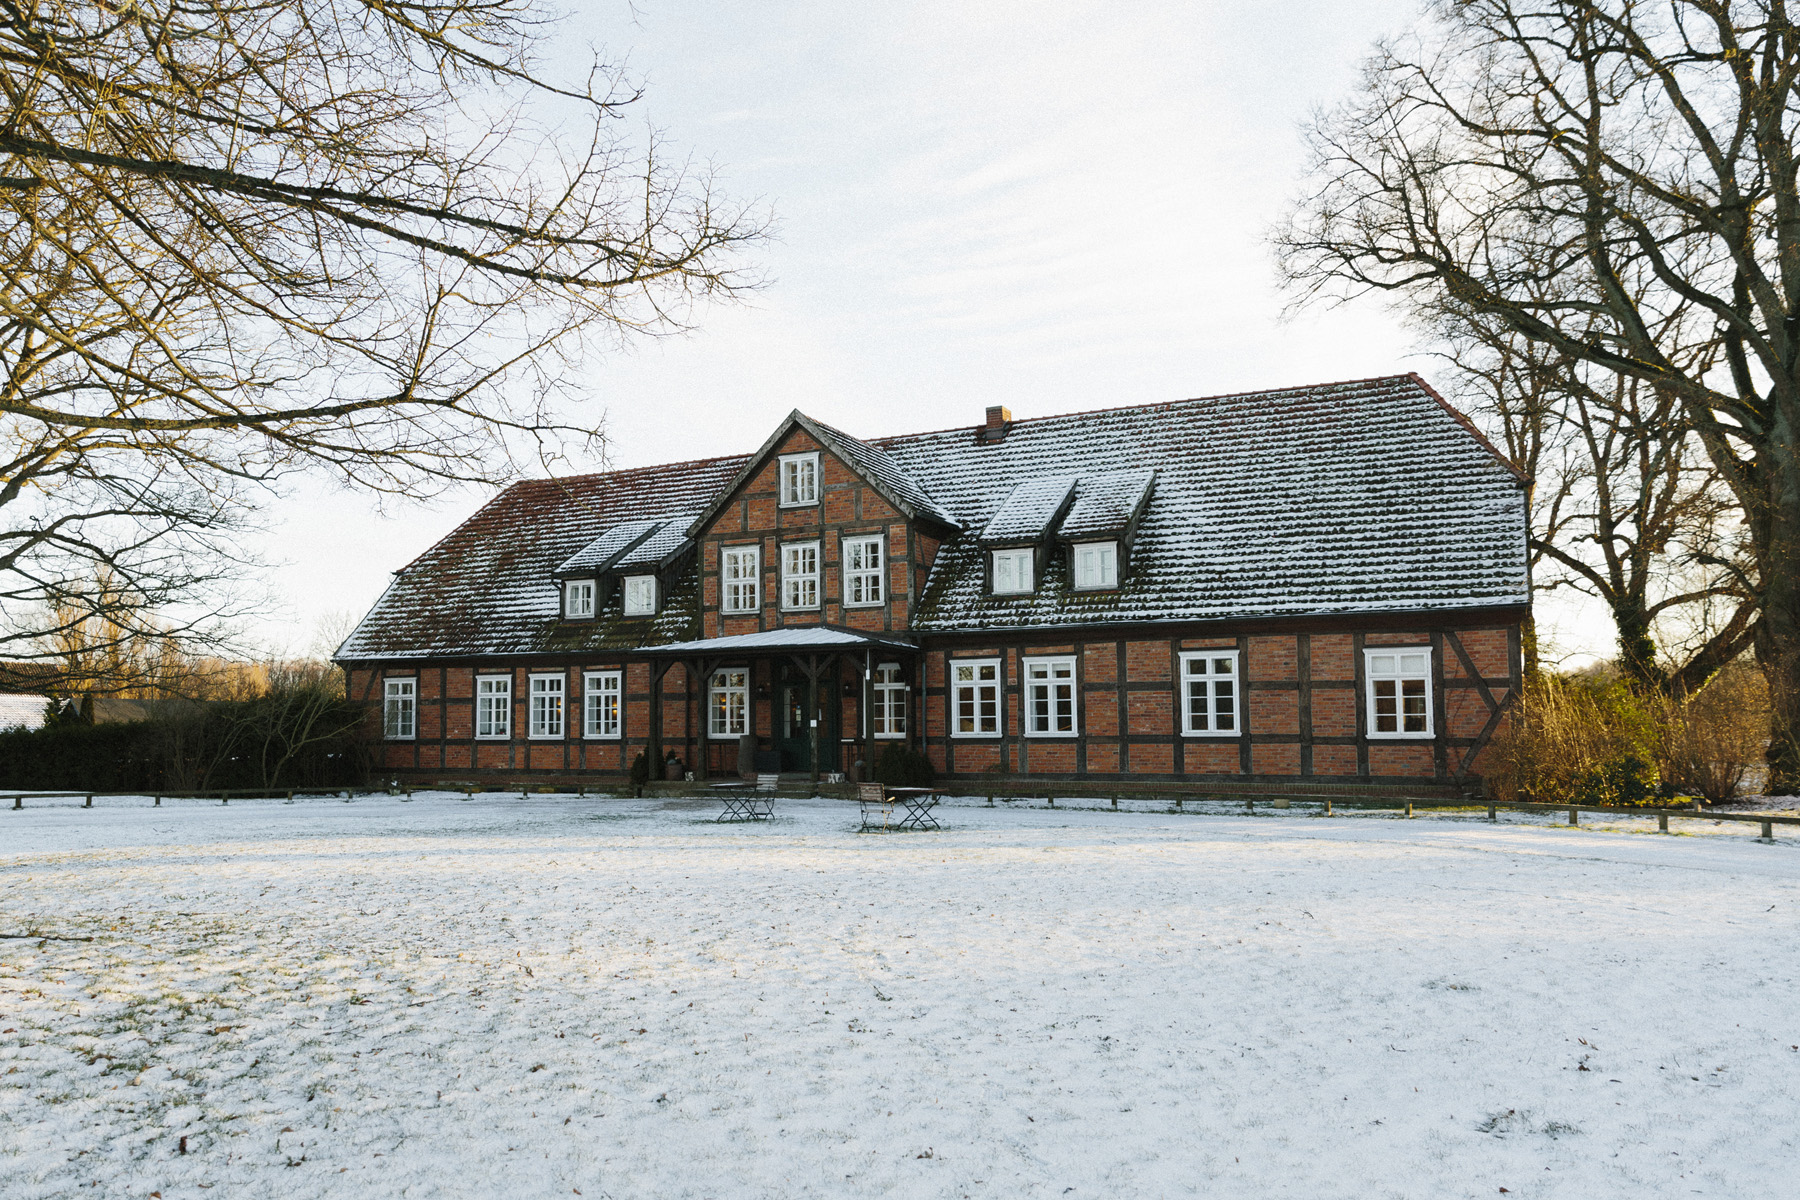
[283, 739]
[900, 766]
[640, 772]
[1581, 740]
[1713, 743]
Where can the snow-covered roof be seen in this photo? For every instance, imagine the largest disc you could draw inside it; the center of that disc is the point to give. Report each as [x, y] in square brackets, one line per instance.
[670, 538]
[792, 637]
[1108, 503]
[1368, 496]
[605, 550]
[23, 712]
[1029, 510]
[488, 587]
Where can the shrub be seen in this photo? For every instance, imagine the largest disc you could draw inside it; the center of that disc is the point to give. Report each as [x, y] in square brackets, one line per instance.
[1713, 743]
[901, 766]
[640, 772]
[1581, 740]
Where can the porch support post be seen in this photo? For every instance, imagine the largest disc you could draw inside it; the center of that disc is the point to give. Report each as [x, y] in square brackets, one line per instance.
[702, 669]
[654, 752]
[868, 717]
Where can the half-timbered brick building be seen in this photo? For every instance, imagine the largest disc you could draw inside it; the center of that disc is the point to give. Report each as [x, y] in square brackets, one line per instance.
[1315, 586]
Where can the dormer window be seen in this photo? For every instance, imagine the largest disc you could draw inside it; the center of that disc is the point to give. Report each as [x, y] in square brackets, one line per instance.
[578, 598]
[640, 595]
[1014, 572]
[1096, 565]
[799, 479]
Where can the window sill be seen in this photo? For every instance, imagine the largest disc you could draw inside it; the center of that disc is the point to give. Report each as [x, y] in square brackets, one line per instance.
[400, 737]
[889, 737]
[1052, 737]
[493, 737]
[1401, 737]
[1217, 734]
[977, 737]
[798, 504]
[601, 737]
[865, 604]
[813, 609]
[739, 612]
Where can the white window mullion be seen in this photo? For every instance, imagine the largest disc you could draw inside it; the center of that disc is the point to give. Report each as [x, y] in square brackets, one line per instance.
[602, 693]
[975, 697]
[546, 715]
[1210, 696]
[1050, 701]
[1399, 691]
[800, 575]
[400, 709]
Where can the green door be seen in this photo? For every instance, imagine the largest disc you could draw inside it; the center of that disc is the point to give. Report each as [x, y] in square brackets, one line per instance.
[793, 730]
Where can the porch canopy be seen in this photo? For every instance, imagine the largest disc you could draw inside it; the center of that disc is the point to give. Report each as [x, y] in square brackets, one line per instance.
[813, 649]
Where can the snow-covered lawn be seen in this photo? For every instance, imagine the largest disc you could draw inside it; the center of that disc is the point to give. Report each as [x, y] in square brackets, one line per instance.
[550, 996]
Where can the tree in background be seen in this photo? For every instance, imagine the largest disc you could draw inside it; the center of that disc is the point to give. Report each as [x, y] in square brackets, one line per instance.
[240, 238]
[1625, 504]
[1615, 182]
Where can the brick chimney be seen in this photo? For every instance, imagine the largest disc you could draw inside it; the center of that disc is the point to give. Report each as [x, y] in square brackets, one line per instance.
[999, 420]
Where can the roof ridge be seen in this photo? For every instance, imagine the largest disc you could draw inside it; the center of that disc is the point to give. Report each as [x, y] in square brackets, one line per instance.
[1089, 412]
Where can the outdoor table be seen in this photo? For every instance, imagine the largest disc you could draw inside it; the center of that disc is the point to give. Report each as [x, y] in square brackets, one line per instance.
[743, 802]
[917, 803]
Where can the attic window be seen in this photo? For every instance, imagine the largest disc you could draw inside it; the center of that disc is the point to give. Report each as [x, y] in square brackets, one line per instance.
[640, 595]
[1096, 565]
[578, 598]
[1013, 572]
[799, 479]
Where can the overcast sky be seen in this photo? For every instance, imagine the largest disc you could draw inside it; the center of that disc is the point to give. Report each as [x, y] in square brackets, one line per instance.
[1049, 206]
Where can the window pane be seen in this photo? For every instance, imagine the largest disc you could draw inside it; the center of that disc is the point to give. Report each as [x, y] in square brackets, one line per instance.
[1386, 707]
[1224, 704]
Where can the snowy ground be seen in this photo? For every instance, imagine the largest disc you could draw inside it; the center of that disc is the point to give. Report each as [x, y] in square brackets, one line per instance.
[551, 996]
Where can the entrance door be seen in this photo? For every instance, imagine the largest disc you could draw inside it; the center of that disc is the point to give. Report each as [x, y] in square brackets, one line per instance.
[793, 731]
[793, 735]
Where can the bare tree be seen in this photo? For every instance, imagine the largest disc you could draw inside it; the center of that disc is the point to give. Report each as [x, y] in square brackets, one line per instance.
[240, 238]
[1625, 505]
[1615, 181]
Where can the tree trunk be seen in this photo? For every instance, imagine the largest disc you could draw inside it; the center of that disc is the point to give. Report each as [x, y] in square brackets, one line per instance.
[1778, 629]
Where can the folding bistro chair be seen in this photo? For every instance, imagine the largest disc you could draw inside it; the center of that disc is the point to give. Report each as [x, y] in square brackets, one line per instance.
[876, 804]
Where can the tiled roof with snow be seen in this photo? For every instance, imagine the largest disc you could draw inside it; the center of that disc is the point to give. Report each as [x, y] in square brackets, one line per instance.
[1028, 510]
[605, 550]
[881, 468]
[1106, 503]
[657, 549]
[23, 712]
[489, 586]
[1371, 496]
[1367, 496]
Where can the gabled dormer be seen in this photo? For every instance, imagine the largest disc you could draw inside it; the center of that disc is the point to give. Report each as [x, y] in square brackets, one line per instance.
[1100, 529]
[629, 567]
[1017, 541]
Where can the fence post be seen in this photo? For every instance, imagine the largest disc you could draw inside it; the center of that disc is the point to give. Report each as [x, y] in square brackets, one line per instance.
[1768, 831]
[1574, 817]
[1052, 800]
[1249, 804]
[1494, 814]
[1328, 806]
[1409, 808]
[90, 801]
[158, 803]
[1178, 804]
[1662, 822]
[18, 802]
[1115, 801]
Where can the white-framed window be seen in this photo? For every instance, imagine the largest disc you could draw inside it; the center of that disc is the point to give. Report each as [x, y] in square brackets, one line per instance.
[578, 598]
[493, 706]
[1050, 697]
[799, 479]
[640, 595]
[740, 578]
[888, 702]
[546, 706]
[800, 575]
[1014, 572]
[1209, 693]
[863, 567]
[602, 694]
[975, 697]
[400, 709]
[1096, 565]
[729, 703]
[1399, 679]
